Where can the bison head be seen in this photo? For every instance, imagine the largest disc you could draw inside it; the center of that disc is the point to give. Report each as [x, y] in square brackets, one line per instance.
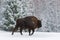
[39, 24]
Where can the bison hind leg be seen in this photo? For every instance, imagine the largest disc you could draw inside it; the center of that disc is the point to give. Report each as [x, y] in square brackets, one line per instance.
[15, 29]
[21, 31]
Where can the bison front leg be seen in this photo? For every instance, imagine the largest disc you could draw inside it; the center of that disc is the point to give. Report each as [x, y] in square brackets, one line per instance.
[32, 31]
[29, 32]
[21, 31]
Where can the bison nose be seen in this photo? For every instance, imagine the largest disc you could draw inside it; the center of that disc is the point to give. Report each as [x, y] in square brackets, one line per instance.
[41, 26]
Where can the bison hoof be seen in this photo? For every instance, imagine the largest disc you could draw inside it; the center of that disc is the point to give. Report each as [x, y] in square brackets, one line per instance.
[12, 33]
[30, 34]
[21, 34]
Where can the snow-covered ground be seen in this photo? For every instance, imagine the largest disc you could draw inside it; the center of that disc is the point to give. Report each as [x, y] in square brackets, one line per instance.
[36, 36]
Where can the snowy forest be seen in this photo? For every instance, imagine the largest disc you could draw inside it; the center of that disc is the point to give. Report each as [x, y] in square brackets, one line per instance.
[46, 10]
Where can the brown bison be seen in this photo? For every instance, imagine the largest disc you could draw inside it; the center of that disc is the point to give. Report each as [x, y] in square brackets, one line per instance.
[29, 22]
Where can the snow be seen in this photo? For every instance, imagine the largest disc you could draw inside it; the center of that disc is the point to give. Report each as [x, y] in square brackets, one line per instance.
[36, 36]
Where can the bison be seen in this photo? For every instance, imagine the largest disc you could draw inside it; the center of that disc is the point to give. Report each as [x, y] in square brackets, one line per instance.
[29, 22]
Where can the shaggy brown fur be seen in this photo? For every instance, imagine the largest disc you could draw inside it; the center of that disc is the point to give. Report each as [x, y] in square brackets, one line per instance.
[29, 22]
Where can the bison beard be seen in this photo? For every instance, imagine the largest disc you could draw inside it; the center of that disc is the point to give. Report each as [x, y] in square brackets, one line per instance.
[30, 23]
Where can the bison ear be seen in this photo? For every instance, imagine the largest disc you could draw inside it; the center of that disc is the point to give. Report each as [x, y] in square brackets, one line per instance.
[41, 19]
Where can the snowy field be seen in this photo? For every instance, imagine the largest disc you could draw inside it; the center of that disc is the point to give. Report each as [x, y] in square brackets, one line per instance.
[37, 36]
